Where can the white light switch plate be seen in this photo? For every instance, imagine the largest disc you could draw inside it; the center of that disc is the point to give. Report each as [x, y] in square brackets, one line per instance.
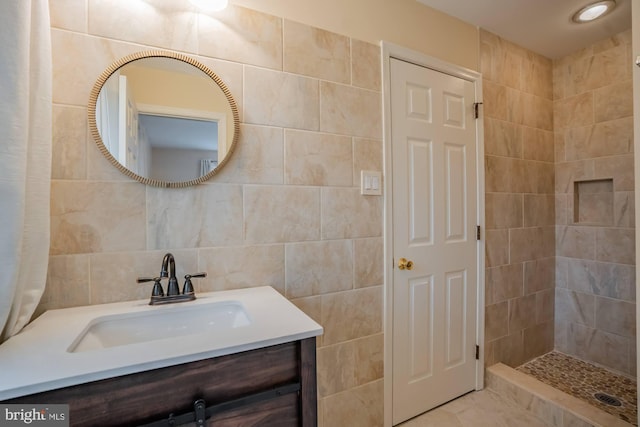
[370, 183]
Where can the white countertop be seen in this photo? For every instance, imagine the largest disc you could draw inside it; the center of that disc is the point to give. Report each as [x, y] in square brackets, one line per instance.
[37, 359]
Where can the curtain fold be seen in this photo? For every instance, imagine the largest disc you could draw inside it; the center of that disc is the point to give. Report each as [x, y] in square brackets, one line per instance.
[25, 159]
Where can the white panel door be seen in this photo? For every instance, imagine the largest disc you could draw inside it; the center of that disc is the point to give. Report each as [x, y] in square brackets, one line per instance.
[434, 228]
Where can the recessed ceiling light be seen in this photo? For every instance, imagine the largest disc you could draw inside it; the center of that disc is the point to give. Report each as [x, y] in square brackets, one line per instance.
[593, 11]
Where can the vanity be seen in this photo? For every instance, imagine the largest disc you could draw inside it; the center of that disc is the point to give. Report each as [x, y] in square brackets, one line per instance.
[243, 357]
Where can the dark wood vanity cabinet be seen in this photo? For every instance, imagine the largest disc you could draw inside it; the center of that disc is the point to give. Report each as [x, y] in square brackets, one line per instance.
[271, 386]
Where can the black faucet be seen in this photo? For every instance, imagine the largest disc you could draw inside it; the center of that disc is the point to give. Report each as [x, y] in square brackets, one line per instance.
[173, 289]
[169, 263]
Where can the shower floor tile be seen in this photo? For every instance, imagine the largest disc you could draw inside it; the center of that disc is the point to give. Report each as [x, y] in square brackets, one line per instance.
[582, 380]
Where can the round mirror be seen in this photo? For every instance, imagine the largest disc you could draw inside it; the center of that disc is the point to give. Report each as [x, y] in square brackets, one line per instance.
[163, 119]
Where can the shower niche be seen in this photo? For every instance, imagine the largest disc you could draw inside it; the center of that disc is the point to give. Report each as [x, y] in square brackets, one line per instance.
[593, 202]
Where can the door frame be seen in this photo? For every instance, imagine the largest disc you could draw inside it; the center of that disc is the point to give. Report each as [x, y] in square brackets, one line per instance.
[390, 50]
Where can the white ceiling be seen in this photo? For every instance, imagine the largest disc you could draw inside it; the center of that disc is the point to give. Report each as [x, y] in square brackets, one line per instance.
[542, 26]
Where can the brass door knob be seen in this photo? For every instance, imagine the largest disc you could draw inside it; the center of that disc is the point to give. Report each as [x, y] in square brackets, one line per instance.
[405, 264]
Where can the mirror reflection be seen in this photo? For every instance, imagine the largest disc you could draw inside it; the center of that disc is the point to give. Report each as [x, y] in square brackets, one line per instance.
[164, 121]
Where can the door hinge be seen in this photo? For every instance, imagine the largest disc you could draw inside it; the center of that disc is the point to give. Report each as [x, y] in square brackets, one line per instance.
[477, 352]
[476, 109]
[477, 232]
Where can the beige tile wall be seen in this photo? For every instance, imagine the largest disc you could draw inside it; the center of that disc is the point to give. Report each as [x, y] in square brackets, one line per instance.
[595, 294]
[285, 211]
[576, 112]
[520, 201]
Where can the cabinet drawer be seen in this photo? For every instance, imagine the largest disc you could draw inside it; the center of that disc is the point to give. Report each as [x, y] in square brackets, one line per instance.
[142, 397]
[283, 411]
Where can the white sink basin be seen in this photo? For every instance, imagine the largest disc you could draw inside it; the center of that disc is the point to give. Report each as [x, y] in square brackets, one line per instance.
[168, 322]
[96, 342]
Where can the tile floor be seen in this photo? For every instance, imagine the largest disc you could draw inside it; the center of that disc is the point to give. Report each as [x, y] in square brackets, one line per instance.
[583, 380]
[477, 409]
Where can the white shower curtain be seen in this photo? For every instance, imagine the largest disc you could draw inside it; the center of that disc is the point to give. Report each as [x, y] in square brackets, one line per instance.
[25, 159]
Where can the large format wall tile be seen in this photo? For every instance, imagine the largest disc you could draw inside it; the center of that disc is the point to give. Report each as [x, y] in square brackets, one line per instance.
[604, 139]
[575, 307]
[99, 168]
[69, 14]
[503, 138]
[257, 159]
[318, 159]
[545, 308]
[601, 347]
[602, 278]
[503, 210]
[624, 209]
[567, 173]
[537, 75]
[78, 60]
[231, 74]
[69, 143]
[349, 110]
[613, 102]
[307, 273]
[573, 112]
[596, 71]
[241, 35]
[595, 312]
[241, 267]
[528, 244]
[316, 53]
[365, 65]
[175, 216]
[497, 320]
[113, 276]
[538, 340]
[616, 245]
[538, 144]
[504, 282]
[509, 349]
[351, 314]
[358, 407]
[89, 217]
[497, 247]
[285, 211]
[539, 210]
[281, 214]
[576, 242]
[349, 364]
[279, 99]
[495, 100]
[368, 262]
[67, 283]
[520, 204]
[616, 317]
[619, 168]
[522, 313]
[168, 24]
[346, 213]
[539, 275]
[367, 155]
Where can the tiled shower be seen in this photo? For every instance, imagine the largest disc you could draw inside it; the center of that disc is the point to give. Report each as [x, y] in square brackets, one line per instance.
[595, 248]
[560, 204]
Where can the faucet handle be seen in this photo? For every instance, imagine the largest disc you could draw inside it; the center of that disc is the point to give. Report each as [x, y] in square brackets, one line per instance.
[188, 286]
[157, 287]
